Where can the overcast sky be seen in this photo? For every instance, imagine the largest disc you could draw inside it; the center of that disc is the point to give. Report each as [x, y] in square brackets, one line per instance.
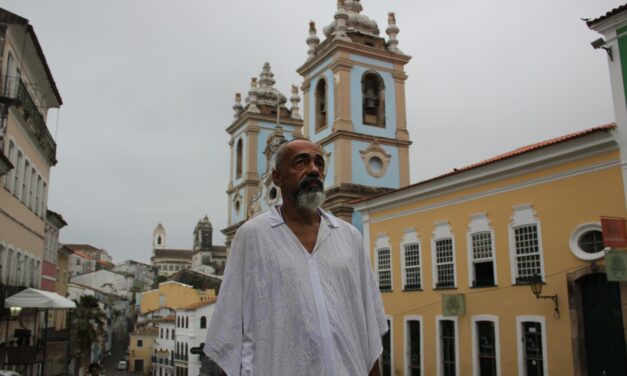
[148, 87]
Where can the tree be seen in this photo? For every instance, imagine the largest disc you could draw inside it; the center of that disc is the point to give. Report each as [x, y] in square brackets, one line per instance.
[88, 321]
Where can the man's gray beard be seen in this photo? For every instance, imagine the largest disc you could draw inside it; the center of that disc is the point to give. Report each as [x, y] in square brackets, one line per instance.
[310, 201]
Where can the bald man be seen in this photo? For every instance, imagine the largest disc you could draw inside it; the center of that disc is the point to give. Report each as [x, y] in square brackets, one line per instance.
[298, 296]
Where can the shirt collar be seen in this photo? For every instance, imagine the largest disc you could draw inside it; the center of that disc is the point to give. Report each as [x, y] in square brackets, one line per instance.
[277, 219]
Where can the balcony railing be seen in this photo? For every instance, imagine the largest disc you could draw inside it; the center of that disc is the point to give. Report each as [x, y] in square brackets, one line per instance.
[15, 91]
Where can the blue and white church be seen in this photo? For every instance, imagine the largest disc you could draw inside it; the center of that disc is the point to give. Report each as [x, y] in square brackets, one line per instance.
[354, 107]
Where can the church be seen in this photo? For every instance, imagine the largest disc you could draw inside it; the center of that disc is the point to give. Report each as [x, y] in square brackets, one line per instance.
[353, 84]
[204, 256]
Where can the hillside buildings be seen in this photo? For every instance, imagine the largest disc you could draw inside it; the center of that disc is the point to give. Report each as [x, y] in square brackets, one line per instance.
[204, 255]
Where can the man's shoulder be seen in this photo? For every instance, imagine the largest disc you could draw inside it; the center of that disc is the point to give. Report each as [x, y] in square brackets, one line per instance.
[344, 226]
[257, 223]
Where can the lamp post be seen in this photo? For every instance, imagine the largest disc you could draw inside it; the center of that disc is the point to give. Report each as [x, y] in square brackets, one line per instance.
[536, 288]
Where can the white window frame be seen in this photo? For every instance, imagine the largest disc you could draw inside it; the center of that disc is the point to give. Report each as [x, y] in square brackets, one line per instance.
[411, 237]
[519, 336]
[524, 215]
[442, 231]
[19, 167]
[475, 343]
[438, 359]
[25, 181]
[573, 242]
[383, 242]
[419, 319]
[479, 223]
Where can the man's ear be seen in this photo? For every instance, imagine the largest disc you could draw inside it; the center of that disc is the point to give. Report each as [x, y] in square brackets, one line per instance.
[276, 177]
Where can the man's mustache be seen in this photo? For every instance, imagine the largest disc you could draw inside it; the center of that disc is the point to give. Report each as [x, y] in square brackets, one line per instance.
[307, 181]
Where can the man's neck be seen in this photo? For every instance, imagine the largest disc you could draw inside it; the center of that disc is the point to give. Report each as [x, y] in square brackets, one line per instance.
[298, 216]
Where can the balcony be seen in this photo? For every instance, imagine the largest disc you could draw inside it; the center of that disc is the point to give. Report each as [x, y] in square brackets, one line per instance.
[15, 92]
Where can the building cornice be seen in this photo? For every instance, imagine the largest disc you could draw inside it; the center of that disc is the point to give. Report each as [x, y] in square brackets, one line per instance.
[248, 116]
[351, 47]
[342, 134]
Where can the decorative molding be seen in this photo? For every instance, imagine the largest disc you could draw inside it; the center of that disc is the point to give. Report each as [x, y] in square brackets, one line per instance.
[375, 159]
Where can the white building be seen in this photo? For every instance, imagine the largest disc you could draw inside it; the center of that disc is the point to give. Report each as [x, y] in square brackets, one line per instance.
[107, 281]
[163, 350]
[191, 329]
[143, 274]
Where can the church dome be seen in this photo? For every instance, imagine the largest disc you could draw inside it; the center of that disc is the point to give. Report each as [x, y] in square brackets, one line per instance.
[356, 22]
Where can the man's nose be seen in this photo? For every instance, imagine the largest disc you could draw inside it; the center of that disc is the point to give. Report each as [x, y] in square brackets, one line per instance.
[313, 169]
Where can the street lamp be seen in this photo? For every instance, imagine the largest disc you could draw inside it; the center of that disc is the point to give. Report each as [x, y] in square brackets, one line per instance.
[536, 288]
[15, 311]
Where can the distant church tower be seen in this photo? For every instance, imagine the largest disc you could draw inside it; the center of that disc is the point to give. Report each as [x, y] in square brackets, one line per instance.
[202, 235]
[354, 106]
[260, 124]
[158, 237]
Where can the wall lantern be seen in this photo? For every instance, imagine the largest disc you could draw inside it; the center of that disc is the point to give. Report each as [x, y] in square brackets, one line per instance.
[536, 288]
[15, 311]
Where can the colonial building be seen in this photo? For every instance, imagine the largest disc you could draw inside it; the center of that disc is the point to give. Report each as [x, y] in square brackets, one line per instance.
[204, 255]
[27, 91]
[191, 331]
[499, 267]
[354, 107]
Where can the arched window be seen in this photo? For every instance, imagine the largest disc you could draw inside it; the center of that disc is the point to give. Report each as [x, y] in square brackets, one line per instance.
[187, 322]
[161, 333]
[158, 240]
[17, 279]
[238, 159]
[203, 322]
[178, 322]
[373, 95]
[34, 273]
[321, 104]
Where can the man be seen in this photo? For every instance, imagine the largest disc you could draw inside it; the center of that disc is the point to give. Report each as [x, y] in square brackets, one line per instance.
[298, 296]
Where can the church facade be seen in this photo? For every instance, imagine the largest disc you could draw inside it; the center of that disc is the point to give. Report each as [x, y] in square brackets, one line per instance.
[204, 256]
[354, 108]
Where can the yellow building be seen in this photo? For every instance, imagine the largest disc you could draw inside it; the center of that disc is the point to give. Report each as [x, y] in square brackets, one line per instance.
[474, 239]
[140, 349]
[173, 295]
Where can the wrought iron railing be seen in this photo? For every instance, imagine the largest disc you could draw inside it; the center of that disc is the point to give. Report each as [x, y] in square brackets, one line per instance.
[15, 91]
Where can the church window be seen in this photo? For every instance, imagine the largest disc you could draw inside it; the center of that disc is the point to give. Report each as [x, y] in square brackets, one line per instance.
[159, 240]
[238, 159]
[203, 322]
[373, 94]
[321, 104]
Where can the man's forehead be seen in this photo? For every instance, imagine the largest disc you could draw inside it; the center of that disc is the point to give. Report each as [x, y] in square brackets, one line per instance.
[302, 146]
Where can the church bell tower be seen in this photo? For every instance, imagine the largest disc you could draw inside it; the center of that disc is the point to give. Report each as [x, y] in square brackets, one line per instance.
[354, 107]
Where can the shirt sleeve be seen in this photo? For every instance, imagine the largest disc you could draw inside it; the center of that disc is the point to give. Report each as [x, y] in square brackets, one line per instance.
[225, 334]
[376, 322]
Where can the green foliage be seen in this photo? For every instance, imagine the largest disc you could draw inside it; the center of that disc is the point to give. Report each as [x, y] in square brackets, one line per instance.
[88, 321]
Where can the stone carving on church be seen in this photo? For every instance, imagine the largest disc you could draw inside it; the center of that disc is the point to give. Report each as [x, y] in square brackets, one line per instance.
[375, 159]
[354, 20]
[267, 193]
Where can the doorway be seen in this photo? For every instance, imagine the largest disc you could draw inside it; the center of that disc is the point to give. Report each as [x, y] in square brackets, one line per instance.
[604, 342]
